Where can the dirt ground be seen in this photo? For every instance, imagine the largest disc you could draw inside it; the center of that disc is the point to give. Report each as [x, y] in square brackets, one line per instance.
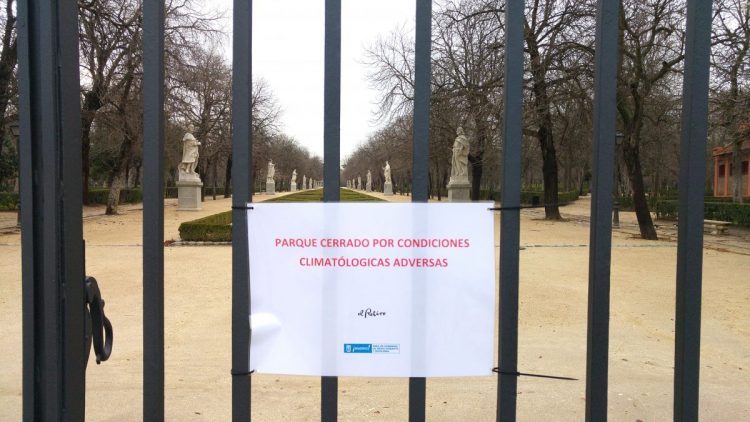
[552, 333]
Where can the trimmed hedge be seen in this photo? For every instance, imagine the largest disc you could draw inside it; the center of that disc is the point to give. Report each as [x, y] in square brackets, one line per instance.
[214, 228]
[135, 195]
[8, 201]
[527, 197]
[723, 211]
[626, 202]
[127, 196]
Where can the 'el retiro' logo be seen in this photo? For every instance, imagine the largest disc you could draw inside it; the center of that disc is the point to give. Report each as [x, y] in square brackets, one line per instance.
[369, 312]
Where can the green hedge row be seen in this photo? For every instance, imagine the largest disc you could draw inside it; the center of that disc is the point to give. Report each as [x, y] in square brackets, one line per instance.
[135, 195]
[723, 211]
[8, 201]
[527, 197]
[127, 196]
[626, 202]
[214, 228]
[171, 191]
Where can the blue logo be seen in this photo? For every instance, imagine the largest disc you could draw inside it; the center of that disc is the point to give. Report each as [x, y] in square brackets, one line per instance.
[387, 348]
[357, 348]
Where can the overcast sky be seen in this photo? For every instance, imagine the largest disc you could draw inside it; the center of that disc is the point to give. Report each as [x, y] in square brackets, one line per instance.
[288, 53]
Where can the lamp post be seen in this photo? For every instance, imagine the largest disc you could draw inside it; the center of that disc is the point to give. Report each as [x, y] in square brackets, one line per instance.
[16, 132]
[616, 191]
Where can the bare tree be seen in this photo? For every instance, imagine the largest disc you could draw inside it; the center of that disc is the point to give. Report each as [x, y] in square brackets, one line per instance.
[651, 40]
[467, 74]
[8, 60]
[730, 57]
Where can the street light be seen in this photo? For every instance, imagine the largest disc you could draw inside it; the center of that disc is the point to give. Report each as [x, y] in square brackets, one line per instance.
[15, 130]
[616, 191]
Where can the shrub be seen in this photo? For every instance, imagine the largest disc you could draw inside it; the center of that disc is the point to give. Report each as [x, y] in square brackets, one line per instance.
[8, 201]
[127, 196]
[723, 211]
[527, 197]
[666, 209]
[214, 228]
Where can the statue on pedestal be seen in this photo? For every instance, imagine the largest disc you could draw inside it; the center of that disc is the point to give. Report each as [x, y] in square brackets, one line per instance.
[189, 158]
[271, 171]
[293, 182]
[387, 172]
[189, 183]
[460, 159]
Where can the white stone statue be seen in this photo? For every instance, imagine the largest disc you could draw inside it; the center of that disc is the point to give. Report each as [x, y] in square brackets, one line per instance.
[369, 177]
[387, 172]
[359, 182]
[460, 160]
[293, 182]
[271, 171]
[304, 182]
[189, 158]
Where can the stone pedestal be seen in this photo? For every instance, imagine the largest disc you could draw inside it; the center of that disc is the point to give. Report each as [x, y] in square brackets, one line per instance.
[270, 187]
[293, 188]
[459, 191]
[189, 195]
[368, 187]
[388, 189]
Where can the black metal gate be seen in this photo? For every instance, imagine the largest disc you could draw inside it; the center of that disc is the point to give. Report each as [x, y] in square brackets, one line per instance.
[52, 244]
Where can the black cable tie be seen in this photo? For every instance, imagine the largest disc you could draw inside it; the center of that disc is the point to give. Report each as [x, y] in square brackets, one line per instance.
[498, 371]
[519, 374]
[243, 208]
[241, 374]
[523, 207]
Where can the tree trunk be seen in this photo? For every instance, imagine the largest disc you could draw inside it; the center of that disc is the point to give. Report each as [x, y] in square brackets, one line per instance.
[113, 200]
[544, 133]
[476, 176]
[118, 174]
[635, 175]
[549, 175]
[137, 179]
[213, 177]
[227, 177]
[85, 154]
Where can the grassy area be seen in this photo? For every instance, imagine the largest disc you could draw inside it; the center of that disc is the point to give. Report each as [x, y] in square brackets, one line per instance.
[316, 195]
[214, 228]
[218, 227]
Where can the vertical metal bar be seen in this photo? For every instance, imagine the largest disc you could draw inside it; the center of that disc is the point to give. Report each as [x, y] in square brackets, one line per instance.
[52, 237]
[242, 81]
[153, 210]
[690, 212]
[421, 155]
[510, 221]
[71, 208]
[331, 157]
[332, 102]
[600, 237]
[422, 76]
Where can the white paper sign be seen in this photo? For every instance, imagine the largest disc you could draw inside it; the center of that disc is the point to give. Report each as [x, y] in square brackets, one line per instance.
[357, 289]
